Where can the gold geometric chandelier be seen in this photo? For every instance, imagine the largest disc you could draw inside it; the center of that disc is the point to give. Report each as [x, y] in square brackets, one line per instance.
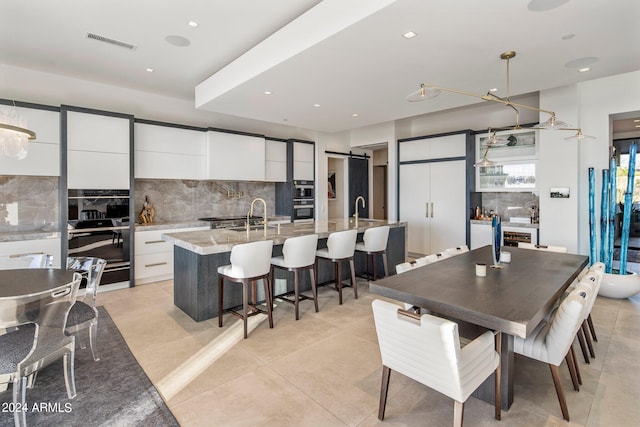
[14, 135]
[429, 91]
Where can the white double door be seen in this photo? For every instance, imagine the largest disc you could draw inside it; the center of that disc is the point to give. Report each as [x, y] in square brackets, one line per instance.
[433, 203]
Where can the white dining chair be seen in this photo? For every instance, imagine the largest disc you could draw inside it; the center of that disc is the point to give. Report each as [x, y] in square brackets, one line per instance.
[427, 349]
[548, 248]
[551, 342]
[402, 267]
[457, 250]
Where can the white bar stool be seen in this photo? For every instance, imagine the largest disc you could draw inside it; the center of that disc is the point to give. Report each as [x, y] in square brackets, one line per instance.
[341, 246]
[298, 253]
[250, 262]
[375, 242]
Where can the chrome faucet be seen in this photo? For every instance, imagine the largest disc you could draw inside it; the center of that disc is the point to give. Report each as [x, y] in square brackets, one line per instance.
[356, 209]
[265, 213]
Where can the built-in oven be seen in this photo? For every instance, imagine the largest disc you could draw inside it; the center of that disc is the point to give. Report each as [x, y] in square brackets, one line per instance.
[303, 209]
[98, 226]
[303, 190]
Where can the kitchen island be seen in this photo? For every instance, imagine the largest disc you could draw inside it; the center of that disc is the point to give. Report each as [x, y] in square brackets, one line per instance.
[198, 254]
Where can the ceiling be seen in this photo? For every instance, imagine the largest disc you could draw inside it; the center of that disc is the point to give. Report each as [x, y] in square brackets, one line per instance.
[347, 56]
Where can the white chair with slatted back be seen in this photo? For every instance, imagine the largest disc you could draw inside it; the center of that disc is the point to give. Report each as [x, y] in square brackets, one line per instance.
[590, 283]
[457, 250]
[551, 342]
[427, 349]
[548, 248]
[405, 266]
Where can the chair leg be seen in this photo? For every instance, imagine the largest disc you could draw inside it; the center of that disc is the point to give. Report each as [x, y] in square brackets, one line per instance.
[587, 336]
[268, 299]
[220, 290]
[19, 391]
[314, 289]
[583, 346]
[384, 389]
[591, 328]
[339, 280]
[245, 305]
[498, 378]
[93, 338]
[555, 373]
[572, 371]
[296, 291]
[385, 263]
[575, 363]
[354, 282]
[69, 378]
[375, 268]
[458, 413]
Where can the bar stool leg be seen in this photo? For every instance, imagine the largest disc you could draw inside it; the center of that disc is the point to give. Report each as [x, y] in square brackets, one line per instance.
[268, 300]
[296, 290]
[385, 264]
[220, 290]
[312, 274]
[245, 304]
[339, 280]
[375, 267]
[354, 282]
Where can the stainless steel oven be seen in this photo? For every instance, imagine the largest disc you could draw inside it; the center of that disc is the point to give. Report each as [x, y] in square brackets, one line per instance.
[303, 209]
[98, 226]
[303, 190]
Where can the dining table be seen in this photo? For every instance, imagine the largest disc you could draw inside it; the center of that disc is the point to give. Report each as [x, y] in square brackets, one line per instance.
[513, 298]
[27, 281]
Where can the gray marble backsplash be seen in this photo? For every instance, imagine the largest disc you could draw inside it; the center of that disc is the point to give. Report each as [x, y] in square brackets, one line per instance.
[28, 203]
[510, 204]
[187, 200]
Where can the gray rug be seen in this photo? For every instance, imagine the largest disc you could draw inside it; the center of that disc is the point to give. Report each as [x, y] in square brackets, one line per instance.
[114, 391]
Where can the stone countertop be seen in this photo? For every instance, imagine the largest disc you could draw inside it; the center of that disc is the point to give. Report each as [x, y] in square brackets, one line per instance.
[219, 241]
[169, 225]
[504, 223]
[17, 236]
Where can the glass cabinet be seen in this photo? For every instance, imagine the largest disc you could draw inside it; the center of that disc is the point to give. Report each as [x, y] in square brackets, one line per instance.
[506, 177]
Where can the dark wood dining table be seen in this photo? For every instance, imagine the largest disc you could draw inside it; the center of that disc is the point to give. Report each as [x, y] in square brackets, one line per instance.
[32, 280]
[513, 299]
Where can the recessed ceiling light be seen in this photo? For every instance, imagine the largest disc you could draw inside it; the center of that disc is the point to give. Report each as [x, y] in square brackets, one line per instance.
[316, 105]
[409, 35]
[354, 115]
[495, 89]
[584, 70]
[266, 92]
[582, 62]
[178, 41]
[149, 70]
[192, 24]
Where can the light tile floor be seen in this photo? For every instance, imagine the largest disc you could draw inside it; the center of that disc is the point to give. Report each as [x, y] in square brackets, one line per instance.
[324, 370]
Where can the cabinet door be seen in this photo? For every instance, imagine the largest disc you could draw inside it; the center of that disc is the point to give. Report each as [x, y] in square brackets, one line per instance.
[481, 235]
[447, 205]
[97, 133]
[303, 155]
[275, 161]
[236, 157]
[87, 169]
[414, 197]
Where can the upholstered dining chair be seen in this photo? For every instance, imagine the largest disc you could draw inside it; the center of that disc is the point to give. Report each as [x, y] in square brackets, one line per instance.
[590, 283]
[457, 250]
[26, 260]
[427, 349]
[35, 338]
[551, 342]
[84, 314]
[250, 262]
[548, 248]
[404, 266]
[298, 253]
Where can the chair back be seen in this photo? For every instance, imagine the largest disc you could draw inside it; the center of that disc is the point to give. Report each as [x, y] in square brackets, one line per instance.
[434, 257]
[342, 244]
[92, 268]
[563, 327]
[401, 268]
[300, 251]
[251, 259]
[590, 283]
[457, 250]
[375, 239]
[423, 261]
[28, 260]
[548, 248]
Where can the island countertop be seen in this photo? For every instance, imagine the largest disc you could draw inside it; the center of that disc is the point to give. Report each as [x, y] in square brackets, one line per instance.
[206, 242]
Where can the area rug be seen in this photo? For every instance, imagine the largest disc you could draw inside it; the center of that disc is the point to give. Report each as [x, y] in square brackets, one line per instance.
[114, 391]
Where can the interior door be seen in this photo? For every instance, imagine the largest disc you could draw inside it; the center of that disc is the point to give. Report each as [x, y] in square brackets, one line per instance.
[358, 185]
[447, 203]
[414, 199]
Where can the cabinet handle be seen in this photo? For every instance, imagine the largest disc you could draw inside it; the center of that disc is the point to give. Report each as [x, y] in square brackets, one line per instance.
[148, 242]
[426, 208]
[431, 209]
[155, 264]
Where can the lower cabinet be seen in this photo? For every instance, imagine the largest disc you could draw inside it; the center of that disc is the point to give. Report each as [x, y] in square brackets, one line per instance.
[154, 256]
[46, 246]
[481, 235]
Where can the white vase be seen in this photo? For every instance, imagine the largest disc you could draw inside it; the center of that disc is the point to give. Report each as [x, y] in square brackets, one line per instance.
[619, 286]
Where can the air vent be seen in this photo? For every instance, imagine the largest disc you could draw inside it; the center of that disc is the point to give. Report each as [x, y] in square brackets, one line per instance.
[110, 41]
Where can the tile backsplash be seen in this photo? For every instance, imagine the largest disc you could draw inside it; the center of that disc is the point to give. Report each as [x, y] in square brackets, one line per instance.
[510, 204]
[187, 200]
[28, 203]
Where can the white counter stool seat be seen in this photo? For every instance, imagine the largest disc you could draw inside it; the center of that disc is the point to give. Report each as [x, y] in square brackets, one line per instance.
[341, 246]
[375, 242]
[298, 253]
[250, 262]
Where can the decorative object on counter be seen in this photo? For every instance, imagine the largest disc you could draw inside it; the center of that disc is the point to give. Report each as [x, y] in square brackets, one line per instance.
[505, 257]
[14, 135]
[428, 91]
[148, 212]
[481, 269]
[496, 227]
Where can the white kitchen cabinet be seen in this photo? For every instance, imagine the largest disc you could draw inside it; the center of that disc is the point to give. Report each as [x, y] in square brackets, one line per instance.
[441, 147]
[98, 151]
[165, 152]
[433, 203]
[46, 246]
[154, 256]
[235, 157]
[43, 158]
[303, 155]
[275, 161]
[481, 235]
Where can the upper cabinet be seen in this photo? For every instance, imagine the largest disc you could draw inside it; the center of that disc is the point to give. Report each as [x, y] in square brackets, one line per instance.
[303, 155]
[98, 149]
[235, 157]
[43, 158]
[515, 157]
[275, 161]
[167, 152]
[440, 147]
